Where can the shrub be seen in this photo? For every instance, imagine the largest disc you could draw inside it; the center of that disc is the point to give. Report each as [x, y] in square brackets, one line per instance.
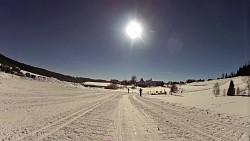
[33, 76]
[112, 86]
[173, 89]
[16, 69]
[20, 74]
[27, 74]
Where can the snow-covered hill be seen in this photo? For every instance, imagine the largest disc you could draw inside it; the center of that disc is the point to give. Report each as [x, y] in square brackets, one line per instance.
[200, 95]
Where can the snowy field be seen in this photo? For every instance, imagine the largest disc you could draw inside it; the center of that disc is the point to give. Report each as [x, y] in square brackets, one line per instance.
[49, 109]
[200, 95]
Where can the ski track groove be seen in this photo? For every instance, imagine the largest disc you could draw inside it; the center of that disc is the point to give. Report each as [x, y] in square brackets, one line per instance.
[188, 128]
[134, 124]
[128, 117]
[232, 126]
[117, 123]
[60, 123]
[48, 120]
[149, 123]
[174, 124]
[195, 124]
[41, 103]
[96, 125]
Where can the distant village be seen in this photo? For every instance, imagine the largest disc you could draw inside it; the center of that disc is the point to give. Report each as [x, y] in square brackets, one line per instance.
[133, 81]
[112, 84]
[141, 83]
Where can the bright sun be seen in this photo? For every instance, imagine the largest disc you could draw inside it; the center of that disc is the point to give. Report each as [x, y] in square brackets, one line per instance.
[134, 30]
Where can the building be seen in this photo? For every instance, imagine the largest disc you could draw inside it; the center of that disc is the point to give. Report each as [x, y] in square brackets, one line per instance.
[114, 81]
[150, 82]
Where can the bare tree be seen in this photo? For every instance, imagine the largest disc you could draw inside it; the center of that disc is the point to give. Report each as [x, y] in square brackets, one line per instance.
[133, 79]
[224, 92]
[238, 90]
[247, 81]
[216, 89]
[222, 76]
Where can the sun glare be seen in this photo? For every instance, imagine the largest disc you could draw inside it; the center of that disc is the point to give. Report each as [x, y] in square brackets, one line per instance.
[134, 30]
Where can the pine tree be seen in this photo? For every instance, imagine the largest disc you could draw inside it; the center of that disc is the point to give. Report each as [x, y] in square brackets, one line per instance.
[231, 89]
[142, 81]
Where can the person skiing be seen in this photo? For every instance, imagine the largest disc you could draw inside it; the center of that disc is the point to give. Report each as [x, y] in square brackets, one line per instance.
[140, 91]
[128, 90]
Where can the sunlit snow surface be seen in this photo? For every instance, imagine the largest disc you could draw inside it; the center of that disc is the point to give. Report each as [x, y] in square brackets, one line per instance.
[49, 109]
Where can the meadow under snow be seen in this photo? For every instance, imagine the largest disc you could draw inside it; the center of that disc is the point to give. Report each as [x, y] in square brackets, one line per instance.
[49, 109]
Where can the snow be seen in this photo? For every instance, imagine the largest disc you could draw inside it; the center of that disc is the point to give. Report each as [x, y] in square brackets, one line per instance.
[98, 84]
[199, 94]
[24, 72]
[49, 109]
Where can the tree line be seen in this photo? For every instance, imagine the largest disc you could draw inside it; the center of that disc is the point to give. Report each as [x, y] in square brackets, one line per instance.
[12, 63]
[242, 71]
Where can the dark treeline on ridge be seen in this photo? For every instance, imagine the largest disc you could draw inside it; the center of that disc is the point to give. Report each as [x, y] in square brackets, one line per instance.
[10, 62]
[242, 71]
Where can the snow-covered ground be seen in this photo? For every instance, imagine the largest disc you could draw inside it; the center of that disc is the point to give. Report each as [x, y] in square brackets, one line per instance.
[200, 95]
[97, 84]
[49, 109]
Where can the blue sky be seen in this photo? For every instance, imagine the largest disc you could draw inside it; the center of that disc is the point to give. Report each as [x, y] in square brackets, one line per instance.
[181, 39]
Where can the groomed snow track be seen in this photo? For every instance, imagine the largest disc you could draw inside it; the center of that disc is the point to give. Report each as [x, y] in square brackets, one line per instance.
[115, 116]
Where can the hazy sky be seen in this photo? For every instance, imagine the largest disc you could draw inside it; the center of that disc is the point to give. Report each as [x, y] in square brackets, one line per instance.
[181, 38]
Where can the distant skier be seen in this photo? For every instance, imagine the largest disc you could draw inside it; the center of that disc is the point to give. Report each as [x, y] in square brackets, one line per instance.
[140, 91]
[128, 90]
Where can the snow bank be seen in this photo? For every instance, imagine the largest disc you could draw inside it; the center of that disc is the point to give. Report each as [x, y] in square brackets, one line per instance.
[27, 82]
[96, 84]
